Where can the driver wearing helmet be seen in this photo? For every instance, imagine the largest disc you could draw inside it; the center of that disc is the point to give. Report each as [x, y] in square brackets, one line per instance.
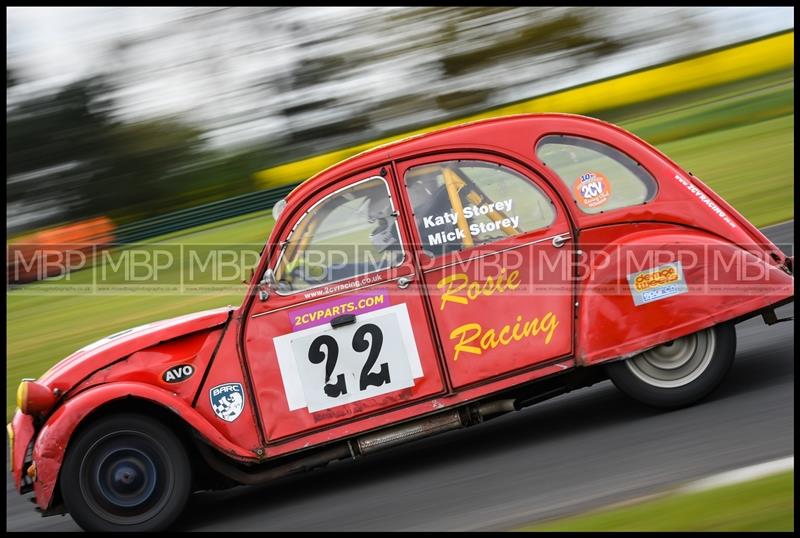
[384, 237]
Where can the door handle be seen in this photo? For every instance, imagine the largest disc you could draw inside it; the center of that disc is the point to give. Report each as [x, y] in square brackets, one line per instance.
[560, 240]
[404, 281]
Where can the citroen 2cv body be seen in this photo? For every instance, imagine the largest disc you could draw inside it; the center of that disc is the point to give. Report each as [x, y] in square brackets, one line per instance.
[419, 287]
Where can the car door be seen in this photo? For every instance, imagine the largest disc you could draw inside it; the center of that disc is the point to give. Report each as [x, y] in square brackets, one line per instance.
[492, 235]
[344, 335]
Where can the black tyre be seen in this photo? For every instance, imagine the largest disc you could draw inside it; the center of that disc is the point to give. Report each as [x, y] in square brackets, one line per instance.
[126, 473]
[678, 373]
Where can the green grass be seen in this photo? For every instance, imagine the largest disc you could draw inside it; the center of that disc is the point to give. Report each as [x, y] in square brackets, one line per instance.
[752, 167]
[46, 327]
[739, 139]
[711, 109]
[766, 504]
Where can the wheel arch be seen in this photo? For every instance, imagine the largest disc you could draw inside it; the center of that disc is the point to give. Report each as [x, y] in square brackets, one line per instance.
[663, 385]
[76, 414]
[612, 327]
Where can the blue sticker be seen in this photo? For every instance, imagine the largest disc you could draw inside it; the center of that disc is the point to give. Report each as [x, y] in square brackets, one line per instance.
[227, 401]
[656, 284]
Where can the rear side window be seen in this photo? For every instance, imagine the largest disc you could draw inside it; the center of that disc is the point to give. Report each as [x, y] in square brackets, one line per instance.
[599, 177]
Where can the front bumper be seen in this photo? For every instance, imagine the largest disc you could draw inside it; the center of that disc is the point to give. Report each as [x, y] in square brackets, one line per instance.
[20, 436]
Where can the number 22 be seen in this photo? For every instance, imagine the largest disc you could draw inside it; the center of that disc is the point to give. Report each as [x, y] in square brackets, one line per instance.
[360, 344]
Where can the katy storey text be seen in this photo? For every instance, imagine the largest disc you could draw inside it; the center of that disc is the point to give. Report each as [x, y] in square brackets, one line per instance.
[491, 211]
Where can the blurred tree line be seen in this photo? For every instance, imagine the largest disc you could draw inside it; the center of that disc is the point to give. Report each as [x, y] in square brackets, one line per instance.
[67, 146]
[324, 82]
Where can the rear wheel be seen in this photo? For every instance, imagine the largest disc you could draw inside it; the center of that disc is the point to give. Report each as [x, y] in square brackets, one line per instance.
[126, 473]
[680, 372]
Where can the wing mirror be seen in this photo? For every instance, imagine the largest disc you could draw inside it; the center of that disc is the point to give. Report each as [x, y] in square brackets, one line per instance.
[266, 285]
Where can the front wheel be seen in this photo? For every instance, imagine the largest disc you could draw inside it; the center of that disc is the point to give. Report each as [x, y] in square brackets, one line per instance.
[126, 473]
[680, 372]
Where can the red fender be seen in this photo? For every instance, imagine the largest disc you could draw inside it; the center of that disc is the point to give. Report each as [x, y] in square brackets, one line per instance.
[20, 434]
[53, 439]
[724, 281]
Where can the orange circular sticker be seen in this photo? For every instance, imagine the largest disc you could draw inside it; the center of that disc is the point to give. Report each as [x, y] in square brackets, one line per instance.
[592, 189]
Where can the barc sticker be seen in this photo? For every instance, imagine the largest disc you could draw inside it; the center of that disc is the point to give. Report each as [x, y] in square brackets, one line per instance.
[227, 401]
[659, 283]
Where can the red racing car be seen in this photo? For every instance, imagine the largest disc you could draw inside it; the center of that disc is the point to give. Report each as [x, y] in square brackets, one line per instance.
[422, 286]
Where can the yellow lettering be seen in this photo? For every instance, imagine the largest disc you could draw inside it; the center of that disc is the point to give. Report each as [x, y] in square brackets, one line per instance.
[549, 324]
[529, 328]
[454, 286]
[504, 330]
[517, 335]
[513, 280]
[464, 339]
[450, 294]
[488, 341]
[491, 338]
[473, 290]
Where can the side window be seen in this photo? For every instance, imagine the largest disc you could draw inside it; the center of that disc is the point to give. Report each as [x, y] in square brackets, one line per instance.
[351, 232]
[465, 203]
[599, 177]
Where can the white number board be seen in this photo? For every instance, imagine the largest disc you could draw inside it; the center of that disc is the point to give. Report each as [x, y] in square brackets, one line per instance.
[322, 367]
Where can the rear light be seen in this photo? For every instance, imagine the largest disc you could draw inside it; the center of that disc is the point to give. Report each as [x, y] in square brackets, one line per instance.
[34, 398]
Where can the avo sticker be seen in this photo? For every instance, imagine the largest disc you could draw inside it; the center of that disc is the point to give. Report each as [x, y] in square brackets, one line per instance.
[592, 189]
[179, 373]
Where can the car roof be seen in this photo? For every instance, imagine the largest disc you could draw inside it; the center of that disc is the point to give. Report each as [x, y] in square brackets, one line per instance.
[475, 133]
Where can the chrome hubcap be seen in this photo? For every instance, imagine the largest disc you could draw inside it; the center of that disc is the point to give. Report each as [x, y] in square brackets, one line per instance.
[675, 363]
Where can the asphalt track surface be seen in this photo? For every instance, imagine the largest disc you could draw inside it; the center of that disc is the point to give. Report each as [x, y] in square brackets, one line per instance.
[579, 451]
